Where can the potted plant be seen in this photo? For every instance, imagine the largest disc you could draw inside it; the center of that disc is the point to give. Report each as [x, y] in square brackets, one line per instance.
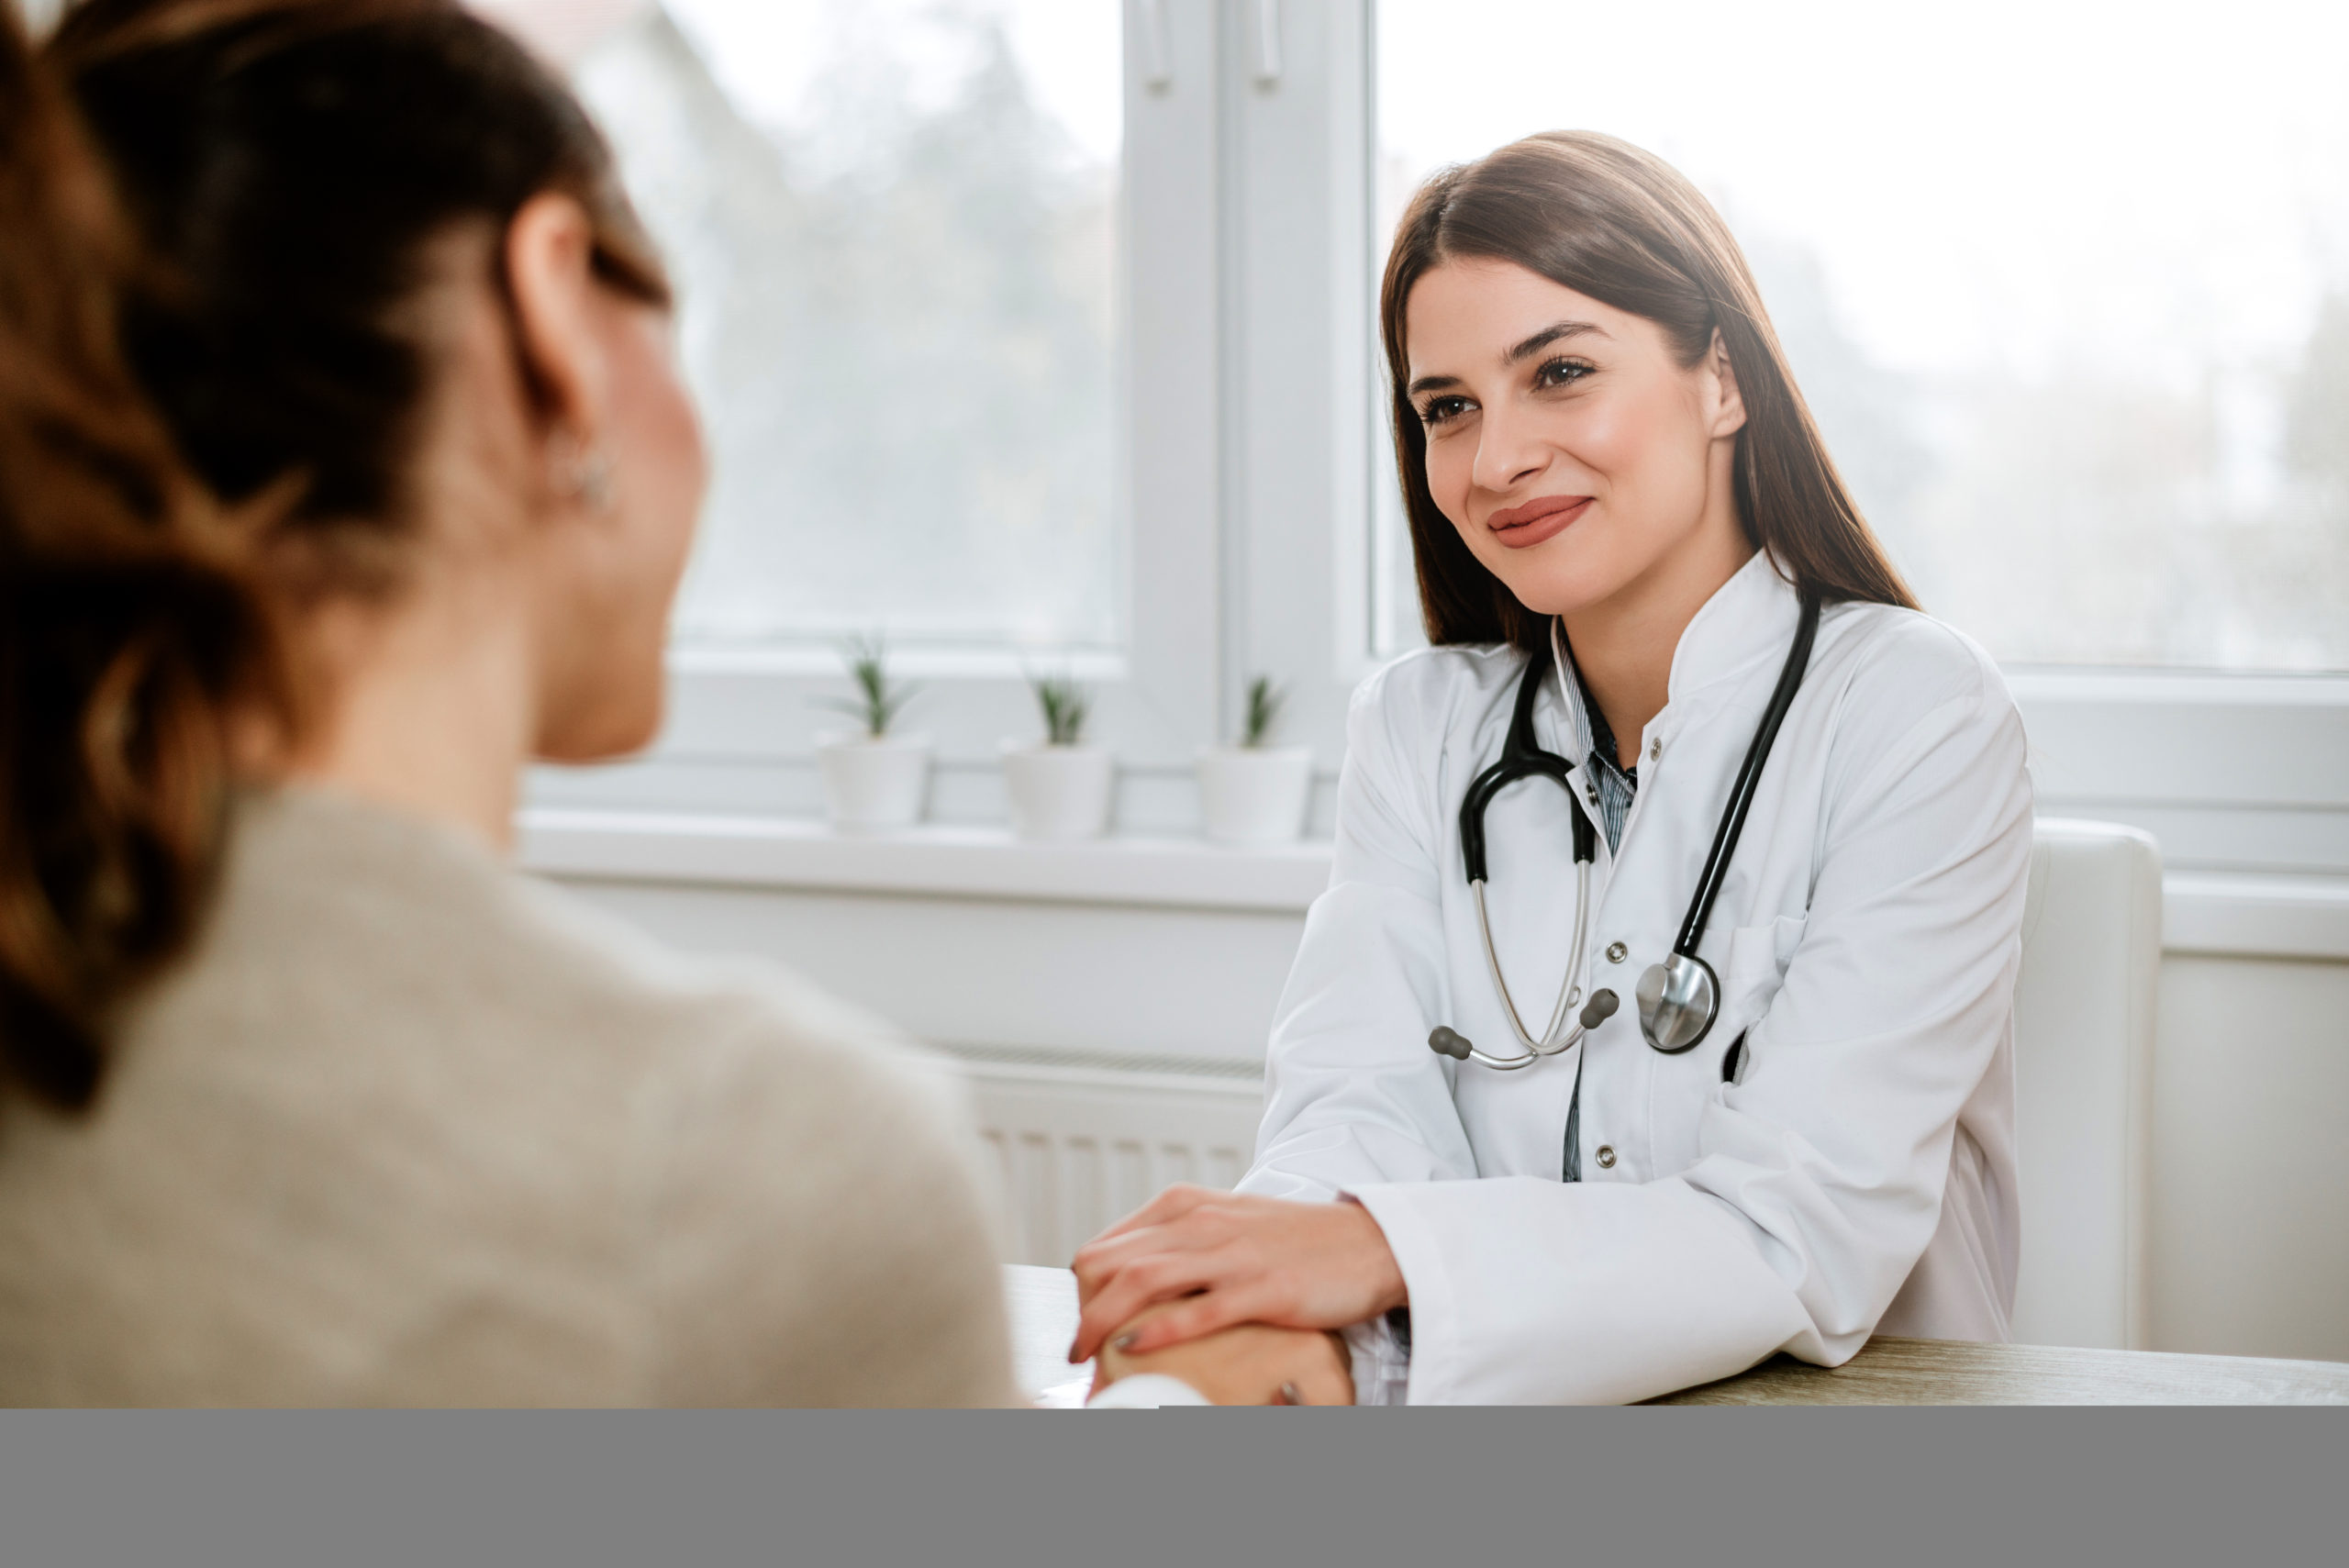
[1254, 793]
[1059, 790]
[874, 780]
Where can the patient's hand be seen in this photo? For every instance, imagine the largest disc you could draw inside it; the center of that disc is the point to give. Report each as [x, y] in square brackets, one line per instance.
[1249, 1364]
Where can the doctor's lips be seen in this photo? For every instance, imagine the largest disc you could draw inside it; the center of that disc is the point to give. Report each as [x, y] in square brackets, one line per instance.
[1521, 528]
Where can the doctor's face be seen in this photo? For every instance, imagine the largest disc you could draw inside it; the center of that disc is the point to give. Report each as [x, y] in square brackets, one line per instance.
[1581, 461]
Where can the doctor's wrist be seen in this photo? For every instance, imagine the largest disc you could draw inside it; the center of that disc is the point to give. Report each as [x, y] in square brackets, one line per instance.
[1382, 1275]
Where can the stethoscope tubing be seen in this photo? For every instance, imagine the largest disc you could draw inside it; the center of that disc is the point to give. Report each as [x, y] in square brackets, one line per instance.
[1522, 757]
[1749, 779]
[1551, 1042]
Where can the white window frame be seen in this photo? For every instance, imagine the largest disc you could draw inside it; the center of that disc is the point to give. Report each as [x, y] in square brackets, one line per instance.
[2241, 773]
[1249, 446]
[1195, 474]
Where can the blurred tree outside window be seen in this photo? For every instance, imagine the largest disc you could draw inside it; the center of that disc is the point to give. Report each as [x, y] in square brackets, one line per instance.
[892, 227]
[2066, 281]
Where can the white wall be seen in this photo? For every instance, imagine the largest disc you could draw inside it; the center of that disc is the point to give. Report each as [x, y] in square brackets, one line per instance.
[2250, 1189]
[1089, 978]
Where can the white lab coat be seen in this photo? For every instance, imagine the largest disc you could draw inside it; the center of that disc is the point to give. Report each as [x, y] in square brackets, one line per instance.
[1858, 1175]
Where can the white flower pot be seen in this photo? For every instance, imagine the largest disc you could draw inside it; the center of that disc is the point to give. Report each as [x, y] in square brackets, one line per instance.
[873, 785]
[1256, 795]
[1059, 792]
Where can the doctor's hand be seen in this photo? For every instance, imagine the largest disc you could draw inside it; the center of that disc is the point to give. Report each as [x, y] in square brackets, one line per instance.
[1223, 1258]
[1251, 1364]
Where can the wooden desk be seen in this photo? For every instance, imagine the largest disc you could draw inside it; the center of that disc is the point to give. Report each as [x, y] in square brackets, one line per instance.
[1886, 1372]
[1953, 1372]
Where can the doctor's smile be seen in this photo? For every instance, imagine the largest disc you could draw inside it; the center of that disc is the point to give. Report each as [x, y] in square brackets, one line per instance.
[1521, 528]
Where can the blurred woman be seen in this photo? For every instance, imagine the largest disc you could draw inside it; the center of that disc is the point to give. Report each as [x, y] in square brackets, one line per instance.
[305, 1098]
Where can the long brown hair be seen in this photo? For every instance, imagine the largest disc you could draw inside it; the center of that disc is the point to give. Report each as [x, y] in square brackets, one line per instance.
[215, 213]
[126, 624]
[1608, 220]
[289, 161]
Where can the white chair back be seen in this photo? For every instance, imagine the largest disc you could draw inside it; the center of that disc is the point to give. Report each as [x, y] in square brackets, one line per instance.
[2084, 1050]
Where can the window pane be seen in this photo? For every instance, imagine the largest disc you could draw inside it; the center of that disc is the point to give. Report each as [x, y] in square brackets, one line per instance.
[2066, 282]
[892, 225]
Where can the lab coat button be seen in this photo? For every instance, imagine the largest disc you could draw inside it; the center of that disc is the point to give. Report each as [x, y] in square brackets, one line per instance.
[1655, 748]
[1615, 952]
[1607, 1156]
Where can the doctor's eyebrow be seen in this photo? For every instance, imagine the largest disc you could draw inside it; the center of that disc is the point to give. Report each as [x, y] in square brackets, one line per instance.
[1556, 332]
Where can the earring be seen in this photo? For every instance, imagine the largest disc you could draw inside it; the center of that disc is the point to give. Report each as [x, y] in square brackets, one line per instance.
[582, 472]
[595, 480]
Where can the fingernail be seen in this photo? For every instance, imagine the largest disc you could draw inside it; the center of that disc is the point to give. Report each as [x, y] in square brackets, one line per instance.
[1073, 1357]
[1125, 1341]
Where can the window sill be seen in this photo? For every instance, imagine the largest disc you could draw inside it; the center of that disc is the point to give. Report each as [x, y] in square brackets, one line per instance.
[936, 861]
[2203, 913]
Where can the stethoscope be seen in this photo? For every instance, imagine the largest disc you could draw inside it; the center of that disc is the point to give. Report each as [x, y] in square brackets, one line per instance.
[1678, 998]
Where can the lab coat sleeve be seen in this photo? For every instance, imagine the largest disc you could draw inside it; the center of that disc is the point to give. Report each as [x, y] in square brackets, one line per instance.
[1820, 1176]
[1352, 1093]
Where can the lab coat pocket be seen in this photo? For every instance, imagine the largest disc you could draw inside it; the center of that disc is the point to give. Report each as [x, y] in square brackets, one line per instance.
[1758, 956]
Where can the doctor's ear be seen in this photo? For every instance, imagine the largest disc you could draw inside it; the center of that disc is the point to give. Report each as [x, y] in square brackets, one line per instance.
[1729, 403]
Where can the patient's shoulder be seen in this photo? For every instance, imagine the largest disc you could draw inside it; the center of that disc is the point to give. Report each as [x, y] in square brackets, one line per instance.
[820, 1225]
[818, 1222]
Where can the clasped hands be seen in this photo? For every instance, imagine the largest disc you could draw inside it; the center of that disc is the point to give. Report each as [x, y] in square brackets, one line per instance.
[1238, 1296]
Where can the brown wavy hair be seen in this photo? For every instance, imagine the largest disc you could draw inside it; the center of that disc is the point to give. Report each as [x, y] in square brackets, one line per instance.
[127, 625]
[216, 213]
[1608, 220]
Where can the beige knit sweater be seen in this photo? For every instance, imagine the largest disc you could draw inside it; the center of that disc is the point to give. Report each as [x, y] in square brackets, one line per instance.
[409, 1128]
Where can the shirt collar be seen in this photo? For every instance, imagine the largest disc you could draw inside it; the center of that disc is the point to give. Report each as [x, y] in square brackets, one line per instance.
[1597, 736]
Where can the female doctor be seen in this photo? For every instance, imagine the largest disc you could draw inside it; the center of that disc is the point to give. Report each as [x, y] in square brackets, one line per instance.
[1682, 1037]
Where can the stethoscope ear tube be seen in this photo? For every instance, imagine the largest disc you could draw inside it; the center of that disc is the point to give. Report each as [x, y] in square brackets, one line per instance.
[1741, 793]
[1551, 1041]
[1522, 758]
[1460, 1047]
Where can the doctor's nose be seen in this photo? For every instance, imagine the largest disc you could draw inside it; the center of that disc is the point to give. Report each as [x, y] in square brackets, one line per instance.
[1508, 455]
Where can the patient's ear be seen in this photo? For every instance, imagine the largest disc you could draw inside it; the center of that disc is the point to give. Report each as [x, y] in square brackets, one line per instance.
[550, 275]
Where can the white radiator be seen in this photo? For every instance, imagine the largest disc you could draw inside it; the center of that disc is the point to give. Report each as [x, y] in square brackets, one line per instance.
[1083, 1140]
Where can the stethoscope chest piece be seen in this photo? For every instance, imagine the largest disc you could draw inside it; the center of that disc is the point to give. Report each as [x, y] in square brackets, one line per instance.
[1678, 1001]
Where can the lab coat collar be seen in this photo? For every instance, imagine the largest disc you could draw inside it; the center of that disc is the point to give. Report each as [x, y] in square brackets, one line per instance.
[1751, 616]
[1577, 726]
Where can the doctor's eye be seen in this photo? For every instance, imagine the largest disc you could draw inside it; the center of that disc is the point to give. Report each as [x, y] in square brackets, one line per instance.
[1562, 372]
[1438, 410]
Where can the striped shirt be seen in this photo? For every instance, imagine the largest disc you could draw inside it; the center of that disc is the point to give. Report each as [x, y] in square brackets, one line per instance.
[1616, 783]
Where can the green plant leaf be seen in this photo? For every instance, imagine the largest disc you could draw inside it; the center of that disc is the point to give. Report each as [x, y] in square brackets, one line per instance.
[1066, 707]
[1264, 700]
[877, 702]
